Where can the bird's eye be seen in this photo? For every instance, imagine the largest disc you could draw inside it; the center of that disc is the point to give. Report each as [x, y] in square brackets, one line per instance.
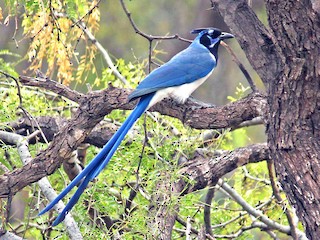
[205, 40]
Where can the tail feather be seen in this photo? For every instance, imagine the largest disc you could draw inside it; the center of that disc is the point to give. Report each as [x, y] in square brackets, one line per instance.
[99, 162]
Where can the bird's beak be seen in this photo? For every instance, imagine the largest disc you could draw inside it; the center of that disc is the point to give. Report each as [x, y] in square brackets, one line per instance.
[225, 35]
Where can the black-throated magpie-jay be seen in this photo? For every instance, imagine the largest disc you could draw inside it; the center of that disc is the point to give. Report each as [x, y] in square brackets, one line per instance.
[177, 78]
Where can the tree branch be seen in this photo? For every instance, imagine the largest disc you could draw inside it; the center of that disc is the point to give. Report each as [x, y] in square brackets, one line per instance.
[203, 172]
[53, 86]
[256, 213]
[251, 35]
[95, 105]
[44, 184]
[10, 236]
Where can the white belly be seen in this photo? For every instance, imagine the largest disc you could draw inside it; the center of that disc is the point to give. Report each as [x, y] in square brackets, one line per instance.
[179, 93]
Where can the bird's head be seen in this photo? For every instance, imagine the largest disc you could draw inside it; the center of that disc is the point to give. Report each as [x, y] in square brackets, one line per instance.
[211, 38]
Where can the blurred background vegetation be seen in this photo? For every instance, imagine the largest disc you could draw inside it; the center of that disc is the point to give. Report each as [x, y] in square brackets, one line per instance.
[28, 42]
[114, 32]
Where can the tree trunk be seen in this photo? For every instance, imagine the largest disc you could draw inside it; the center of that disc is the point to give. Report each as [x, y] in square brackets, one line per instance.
[294, 101]
[286, 57]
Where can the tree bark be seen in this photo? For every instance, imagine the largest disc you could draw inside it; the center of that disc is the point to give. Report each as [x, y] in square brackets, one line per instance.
[95, 105]
[287, 60]
[294, 103]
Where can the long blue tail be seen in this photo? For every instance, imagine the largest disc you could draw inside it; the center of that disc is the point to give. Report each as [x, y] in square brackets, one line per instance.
[99, 162]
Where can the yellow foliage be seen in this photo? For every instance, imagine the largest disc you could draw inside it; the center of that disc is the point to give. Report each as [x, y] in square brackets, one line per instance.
[1, 16]
[53, 41]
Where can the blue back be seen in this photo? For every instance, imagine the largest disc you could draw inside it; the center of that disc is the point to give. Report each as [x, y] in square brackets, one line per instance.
[189, 65]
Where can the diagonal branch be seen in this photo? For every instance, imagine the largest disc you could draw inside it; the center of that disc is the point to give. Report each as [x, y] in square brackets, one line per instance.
[202, 172]
[257, 213]
[252, 36]
[53, 86]
[46, 188]
[95, 105]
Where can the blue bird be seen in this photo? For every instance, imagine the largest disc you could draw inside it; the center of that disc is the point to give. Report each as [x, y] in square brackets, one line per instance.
[177, 78]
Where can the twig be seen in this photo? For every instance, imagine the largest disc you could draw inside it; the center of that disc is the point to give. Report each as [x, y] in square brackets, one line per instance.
[103, 52]
[132, 195]
[276, 193]
[247, 175]
[241, 66]
[220, 225]
[207, 210]
[17, 83]
[149, 37]
[252, 122]
[242, 230]
[88, 13]
[193, 230]
[256, 213]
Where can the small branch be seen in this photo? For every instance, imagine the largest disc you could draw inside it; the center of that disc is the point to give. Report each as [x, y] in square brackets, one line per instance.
[87, 14]
[17, 83]
[276, 193]
[249, 123]
[207, 210]
[241, 66]
[45, 186]
[235, 235]
[188, 229]
[53, 86]
[256, 213]
[133, 193]
[221, 225]
[147, 36]
[10, 236]
[103, 52]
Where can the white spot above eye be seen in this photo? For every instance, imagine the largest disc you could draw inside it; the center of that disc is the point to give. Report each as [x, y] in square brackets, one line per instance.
[210, 31]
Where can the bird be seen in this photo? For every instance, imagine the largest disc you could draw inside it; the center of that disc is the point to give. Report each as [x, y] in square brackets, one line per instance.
[177, 79]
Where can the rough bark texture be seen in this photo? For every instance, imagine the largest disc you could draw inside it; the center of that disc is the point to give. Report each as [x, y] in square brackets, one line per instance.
[294, 121]
[288, 63]
[286, 57]
[95, 105]
[204, 172]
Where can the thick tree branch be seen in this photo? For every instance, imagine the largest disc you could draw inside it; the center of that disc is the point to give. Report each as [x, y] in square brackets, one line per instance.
[203, 172]
[200, 116]
[53, 86]
[251, 35]
[199, 173]
[10, 236]
[95, 105]
[23, 150]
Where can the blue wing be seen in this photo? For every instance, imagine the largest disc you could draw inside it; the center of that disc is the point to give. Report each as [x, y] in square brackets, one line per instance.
[191, 64]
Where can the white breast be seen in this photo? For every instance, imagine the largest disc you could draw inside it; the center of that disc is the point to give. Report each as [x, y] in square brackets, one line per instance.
[179, 93]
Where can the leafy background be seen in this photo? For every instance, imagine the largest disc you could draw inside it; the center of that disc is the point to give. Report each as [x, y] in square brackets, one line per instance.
[32, 39]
